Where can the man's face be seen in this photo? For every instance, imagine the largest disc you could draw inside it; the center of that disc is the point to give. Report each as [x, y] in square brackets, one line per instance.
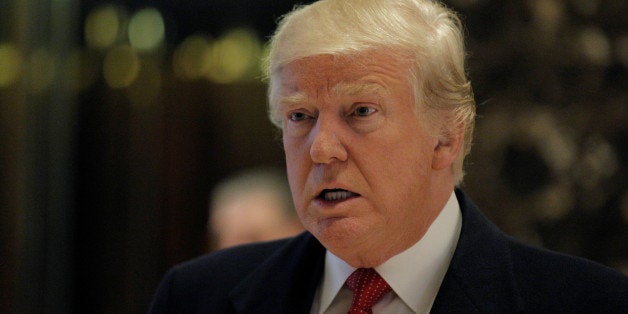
[251, 217]
[360, 158]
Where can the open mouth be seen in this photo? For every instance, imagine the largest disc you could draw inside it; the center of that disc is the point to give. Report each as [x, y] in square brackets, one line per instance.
[336, 195]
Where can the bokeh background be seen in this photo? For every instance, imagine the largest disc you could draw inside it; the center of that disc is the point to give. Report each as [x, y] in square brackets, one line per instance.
[118, 117]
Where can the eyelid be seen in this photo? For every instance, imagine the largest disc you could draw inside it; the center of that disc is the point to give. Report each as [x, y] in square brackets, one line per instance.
[372, 108]
[290, 115]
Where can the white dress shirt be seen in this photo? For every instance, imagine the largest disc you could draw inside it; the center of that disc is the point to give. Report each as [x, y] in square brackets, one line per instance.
[415, 275]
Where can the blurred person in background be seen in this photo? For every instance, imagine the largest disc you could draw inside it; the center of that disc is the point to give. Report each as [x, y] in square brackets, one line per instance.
[252, 206]
[377, 115]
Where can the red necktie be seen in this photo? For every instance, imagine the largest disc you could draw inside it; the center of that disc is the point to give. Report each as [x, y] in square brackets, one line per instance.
[368, 287]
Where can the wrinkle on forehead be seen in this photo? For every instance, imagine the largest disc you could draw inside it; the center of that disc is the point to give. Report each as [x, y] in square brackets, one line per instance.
[357, 88]
[356, 61]
[361, 71]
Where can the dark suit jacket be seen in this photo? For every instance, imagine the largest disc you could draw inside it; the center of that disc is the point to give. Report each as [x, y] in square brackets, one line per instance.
[489, 273]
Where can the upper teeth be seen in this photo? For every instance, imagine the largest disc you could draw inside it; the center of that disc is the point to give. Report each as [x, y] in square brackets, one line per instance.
[337, 195]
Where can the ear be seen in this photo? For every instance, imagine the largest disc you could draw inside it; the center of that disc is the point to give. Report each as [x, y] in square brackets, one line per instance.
[449, 144]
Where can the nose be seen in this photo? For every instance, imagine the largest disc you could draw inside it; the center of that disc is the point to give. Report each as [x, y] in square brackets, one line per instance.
[327, 145]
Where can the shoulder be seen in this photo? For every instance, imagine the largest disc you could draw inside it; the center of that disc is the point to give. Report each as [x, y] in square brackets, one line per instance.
[228, 265]
[208, 283]
[550, 280]
[487, 262]
[205, 282]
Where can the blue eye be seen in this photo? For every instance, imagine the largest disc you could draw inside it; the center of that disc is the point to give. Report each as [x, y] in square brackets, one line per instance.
[298, 116]
[363, 111]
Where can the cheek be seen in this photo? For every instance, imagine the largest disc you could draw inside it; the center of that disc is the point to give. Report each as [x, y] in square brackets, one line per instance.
[291, 154]
[296, 166]
[294, 159]
[407, 170]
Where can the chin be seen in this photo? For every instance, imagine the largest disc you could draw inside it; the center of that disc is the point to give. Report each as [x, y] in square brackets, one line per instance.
[342, 234]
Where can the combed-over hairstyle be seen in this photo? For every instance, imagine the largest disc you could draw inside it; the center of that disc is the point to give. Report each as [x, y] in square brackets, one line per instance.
[426, 29]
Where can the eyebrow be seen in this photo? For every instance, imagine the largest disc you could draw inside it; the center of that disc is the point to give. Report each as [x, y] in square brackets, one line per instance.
[292, 99]
[346, 89]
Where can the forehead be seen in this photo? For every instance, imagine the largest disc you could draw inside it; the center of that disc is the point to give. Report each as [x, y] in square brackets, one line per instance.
[343, 73]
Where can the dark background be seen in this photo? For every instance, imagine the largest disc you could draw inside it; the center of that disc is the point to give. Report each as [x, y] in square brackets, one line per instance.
[102, 191]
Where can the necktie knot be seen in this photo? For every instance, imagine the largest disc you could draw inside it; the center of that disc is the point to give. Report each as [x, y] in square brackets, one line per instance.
[368, 287]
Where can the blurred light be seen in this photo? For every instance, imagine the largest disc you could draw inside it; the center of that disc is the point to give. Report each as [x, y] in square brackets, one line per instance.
[556, 201]
[187, 61]
[41, 70]
[102, 26]
[557, 147]
[11, 64]
[548, 15]
[146, 29]
[599, 159]
[596, 169]
[234, 57]
[595, 46]
[121, 66]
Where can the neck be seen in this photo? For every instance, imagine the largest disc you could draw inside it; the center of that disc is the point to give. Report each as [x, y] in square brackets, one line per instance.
[377, 255]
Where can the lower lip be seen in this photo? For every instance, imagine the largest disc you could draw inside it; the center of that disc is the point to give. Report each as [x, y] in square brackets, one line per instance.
[323, 203]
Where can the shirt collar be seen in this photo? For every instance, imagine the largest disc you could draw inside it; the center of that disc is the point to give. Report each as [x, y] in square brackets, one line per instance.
[336, 273]
[415, 274]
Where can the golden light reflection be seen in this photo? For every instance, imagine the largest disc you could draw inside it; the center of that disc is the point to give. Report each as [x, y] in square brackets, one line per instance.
[187, 61]
[548, 15]
[595, 46]
[102, 27]
[11, 61]
[121, 66]
[146, 29]
[234, 57]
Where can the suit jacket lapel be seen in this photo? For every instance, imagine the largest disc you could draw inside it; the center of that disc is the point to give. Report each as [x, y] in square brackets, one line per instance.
[480, 276]
[286, 282]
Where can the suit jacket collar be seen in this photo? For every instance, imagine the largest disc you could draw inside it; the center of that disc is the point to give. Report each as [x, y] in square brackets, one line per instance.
[479, 278]
[284, 283]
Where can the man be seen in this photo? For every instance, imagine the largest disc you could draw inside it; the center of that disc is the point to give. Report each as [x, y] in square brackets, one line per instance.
[252, 206]
[377, 115]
